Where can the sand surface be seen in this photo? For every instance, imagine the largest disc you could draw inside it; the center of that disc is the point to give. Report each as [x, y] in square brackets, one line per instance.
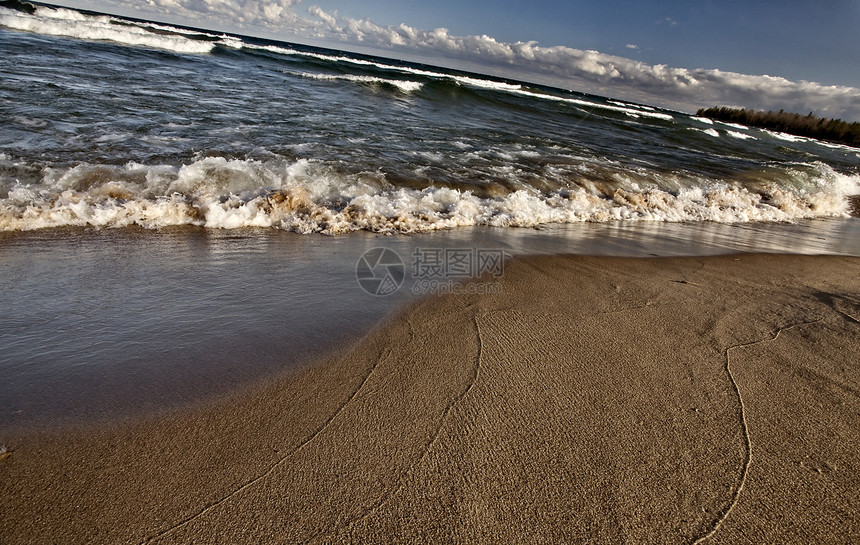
[598, 400]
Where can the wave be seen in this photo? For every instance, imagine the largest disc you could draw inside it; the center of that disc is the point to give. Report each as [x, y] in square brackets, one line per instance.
[787, 137]
[704, 120]
[628, 105]
[402, 85]
[709, 132]
[741, 135]
[73, 24]
[336, 58]
[806, 139]
[307, 197]
[734, 125]
[634, 111]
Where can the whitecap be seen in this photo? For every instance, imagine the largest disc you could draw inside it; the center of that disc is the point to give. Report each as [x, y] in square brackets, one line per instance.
[734, 125]
[73, 24]
[741, 136]
[403, 86]
[709, 132]
[306, 196]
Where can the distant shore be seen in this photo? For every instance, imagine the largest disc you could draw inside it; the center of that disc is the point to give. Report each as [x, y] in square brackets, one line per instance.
[594, 400]
[822, 128]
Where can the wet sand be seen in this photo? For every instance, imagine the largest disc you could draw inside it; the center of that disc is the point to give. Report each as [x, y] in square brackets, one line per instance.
[670, 400]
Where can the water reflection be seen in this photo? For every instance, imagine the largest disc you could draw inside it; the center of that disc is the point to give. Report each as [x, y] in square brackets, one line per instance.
[100, 323]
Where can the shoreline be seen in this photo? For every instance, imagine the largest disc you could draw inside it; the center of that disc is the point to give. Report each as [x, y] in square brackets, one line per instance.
[89, 338]
[595, 399]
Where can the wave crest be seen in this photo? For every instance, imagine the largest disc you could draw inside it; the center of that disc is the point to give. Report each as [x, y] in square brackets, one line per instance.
[73, 24]
[403, 86]
[308, 197]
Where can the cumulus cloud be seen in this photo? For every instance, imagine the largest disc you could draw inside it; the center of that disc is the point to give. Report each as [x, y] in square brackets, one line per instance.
[330, 20]
[265, 13]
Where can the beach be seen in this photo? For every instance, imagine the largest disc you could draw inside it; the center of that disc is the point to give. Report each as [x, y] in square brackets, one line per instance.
[594, 399]
[259, 289]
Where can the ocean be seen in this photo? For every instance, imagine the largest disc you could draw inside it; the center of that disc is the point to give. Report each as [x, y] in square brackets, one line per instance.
[166, 195]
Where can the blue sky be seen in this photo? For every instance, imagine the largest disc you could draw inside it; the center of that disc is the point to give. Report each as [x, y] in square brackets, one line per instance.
[672, 53]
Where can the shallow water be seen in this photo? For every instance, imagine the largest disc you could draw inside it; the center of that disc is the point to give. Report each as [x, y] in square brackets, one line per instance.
[105, 323]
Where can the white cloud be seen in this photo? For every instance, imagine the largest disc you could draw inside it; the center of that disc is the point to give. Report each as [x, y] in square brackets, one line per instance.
[330, 20]
[631, 46]
[266, 13]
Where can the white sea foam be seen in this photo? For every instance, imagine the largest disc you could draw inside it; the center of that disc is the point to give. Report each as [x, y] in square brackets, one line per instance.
[734, 125]
[787, 137]
[462, 80]
[794, 138]
[307, 197]
[704, 120]
[403, 86]
[741, 135]
[466, 81]
[222, 39]
[831, 145]
[709, 132]
[487, 84]
[73, 24]
[342, 58]
[589, 104]
[626, 105]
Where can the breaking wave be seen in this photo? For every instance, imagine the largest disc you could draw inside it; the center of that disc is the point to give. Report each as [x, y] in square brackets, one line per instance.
[307, 197]
[73, 24]
[402, 85]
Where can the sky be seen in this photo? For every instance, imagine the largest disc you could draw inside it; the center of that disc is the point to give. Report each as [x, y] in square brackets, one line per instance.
[794, 55]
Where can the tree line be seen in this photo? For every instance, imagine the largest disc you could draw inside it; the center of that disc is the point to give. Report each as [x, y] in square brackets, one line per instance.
[822, 128]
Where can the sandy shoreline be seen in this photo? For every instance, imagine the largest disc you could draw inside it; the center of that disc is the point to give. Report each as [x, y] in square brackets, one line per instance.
[594, 400]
